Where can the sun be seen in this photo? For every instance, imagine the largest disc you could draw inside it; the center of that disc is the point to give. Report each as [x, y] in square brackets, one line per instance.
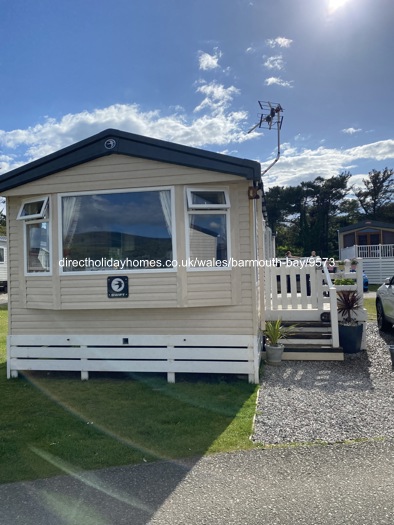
[334, 5]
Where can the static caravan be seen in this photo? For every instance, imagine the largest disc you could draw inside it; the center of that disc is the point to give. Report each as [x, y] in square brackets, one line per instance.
[373, 241]
[133, 254]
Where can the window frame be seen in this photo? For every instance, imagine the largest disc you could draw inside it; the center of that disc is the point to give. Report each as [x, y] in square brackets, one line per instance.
[33, 216]
[193, 206]
[207, 209]
[43, 273]
[108, 271]
[2, 249]
[37, 218]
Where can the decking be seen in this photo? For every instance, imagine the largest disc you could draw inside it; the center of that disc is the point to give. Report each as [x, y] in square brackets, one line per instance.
[378, 260]
[306, 296]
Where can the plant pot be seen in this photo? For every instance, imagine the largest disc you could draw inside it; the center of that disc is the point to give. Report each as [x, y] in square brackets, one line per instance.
[350, 338]
[273, 354]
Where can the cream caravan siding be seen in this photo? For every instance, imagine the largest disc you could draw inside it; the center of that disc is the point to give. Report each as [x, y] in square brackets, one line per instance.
[120, 171]
[202, 320]
[199, 302]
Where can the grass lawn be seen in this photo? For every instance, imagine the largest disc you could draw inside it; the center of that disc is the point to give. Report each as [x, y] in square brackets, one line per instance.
[56, 423]
[369, 305]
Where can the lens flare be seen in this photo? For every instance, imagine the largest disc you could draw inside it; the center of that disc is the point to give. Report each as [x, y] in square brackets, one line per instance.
[334, 5]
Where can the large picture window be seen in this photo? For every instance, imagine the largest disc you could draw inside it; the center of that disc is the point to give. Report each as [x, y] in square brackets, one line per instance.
[208, 243]
[117, 231]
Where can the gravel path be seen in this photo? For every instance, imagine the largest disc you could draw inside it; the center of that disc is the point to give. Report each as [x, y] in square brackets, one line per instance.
[329, 401]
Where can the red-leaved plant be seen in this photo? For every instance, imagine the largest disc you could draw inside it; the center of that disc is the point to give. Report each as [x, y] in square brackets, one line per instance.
[348, 301]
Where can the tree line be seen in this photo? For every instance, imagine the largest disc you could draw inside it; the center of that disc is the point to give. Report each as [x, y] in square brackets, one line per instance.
[307, 217]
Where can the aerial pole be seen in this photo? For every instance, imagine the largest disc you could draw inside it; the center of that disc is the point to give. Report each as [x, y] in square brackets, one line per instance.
[270, 117]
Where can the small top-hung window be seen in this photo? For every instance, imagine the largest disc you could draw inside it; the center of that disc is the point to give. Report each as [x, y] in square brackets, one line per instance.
[37, 209]
[207, 199]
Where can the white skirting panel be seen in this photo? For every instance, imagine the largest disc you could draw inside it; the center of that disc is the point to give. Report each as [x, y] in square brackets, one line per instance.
[222, 354]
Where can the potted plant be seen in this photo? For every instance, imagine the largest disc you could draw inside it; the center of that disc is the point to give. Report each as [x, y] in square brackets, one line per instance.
[274, 332]
[353, 264]
[350, 330]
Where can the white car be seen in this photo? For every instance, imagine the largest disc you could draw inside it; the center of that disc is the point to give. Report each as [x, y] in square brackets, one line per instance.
[385, 305]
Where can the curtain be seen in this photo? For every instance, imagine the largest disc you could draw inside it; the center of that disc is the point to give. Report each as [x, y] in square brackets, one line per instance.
[165, 201]
[71, 207]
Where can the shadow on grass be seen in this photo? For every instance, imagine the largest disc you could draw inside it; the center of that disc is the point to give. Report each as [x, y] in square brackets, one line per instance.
[54, 423]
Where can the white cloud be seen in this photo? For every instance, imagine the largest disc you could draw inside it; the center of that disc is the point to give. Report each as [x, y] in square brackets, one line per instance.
[278, 81]
[212, 125]
[279, 41]
[207, 61]
[274, 62]
[351, 131]
[217, 97]
[217, 126]
[297, 165]
[6, 163]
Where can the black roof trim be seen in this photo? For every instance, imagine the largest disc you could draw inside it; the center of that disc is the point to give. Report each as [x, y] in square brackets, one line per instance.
[365, 224]
[133, 146]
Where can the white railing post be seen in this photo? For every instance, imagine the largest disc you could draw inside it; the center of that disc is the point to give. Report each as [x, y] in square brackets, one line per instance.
[319, 288]
[359, 279]
[333, 308]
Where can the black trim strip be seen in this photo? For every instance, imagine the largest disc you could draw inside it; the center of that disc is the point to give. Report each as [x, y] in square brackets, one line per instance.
[133, 146]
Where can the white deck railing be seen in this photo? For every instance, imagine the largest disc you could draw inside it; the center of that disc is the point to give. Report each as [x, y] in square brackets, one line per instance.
[293, 286]
[295, 293]
[374, 251]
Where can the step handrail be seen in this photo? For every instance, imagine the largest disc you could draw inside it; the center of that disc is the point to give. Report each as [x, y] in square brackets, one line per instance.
[333, 307]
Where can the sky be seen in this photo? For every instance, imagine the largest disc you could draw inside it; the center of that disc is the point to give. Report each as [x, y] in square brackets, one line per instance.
[193, 71]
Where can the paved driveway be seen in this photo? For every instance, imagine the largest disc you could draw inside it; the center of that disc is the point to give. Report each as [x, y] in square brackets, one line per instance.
[332, 485]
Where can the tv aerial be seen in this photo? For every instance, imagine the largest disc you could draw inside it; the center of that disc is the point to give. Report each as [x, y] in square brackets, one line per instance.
[270, 117]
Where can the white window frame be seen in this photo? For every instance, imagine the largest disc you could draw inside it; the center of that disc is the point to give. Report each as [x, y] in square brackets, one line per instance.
[193, 206]
[36, 218]
[207, 209]
[130, 271]
[43, 273]
[40, 215]
[2, 249]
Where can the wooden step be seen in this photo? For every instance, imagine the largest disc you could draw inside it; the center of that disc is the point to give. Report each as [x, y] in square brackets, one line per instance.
[313, 330]
[307, 324]
[310, 335]
[312, 353]
[310, 341]
[303, 347]
[316, 341]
